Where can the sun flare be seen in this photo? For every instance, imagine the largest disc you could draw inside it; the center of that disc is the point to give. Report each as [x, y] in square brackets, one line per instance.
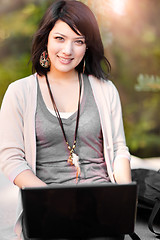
[118, 6]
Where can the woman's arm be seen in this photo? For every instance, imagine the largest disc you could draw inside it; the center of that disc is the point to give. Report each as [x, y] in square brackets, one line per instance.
[121, 162]
[12, 139]
[122, 171]
[28, 179]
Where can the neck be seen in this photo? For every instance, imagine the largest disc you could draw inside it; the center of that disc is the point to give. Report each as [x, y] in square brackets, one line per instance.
[63, 76]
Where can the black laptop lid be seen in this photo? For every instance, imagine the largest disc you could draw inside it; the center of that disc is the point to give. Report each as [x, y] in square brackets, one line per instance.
[79, 211]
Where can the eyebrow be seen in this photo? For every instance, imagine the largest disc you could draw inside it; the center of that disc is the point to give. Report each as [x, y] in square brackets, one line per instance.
[80, 37]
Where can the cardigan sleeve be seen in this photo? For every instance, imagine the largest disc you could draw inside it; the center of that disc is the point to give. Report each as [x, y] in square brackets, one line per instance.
[12, 150]
[119, 143]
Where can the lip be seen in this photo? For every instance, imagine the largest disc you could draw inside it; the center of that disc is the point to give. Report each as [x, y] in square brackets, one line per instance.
[64, 60]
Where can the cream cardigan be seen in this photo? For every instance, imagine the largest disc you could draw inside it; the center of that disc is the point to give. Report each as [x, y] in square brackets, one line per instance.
[17, 128]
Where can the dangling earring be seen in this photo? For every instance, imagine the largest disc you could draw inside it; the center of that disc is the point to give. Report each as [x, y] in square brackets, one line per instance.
[44, 60]
[84, 62]
[84, 66]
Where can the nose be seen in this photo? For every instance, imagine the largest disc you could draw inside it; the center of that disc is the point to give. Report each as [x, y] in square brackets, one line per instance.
[67, 48]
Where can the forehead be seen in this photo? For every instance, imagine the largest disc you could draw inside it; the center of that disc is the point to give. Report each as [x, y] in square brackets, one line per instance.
[63, 28]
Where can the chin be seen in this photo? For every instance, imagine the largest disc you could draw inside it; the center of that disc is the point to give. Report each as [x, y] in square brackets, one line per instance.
[65, 69]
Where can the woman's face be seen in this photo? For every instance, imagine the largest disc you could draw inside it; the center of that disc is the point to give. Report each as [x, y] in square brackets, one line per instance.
[66, 49]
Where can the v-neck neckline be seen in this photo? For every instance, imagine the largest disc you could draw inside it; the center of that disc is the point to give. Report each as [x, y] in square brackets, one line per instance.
[53, 117]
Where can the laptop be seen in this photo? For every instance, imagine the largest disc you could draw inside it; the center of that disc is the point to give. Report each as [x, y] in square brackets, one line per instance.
[79, 211]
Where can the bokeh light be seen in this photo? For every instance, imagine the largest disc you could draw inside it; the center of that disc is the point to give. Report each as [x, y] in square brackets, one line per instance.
[118, 6]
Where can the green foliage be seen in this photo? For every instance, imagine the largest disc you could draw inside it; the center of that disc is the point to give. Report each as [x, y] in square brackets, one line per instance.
[147, 83]
[13, 69]
[17, 30]
[143, 134]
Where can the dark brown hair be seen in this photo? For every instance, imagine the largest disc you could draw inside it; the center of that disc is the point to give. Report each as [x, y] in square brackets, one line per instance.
[79, 17]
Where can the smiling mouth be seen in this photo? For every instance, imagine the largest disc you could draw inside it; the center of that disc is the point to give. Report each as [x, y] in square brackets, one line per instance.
[65, 60]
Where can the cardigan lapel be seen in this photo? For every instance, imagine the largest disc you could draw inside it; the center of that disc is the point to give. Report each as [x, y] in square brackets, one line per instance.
[101, 94]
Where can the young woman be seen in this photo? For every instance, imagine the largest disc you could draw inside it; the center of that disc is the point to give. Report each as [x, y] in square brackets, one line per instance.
[63, 124]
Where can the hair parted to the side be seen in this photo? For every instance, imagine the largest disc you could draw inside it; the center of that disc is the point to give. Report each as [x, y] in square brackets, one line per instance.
[81, 19]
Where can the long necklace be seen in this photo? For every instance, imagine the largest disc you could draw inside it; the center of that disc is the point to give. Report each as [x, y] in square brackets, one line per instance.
[73, 158]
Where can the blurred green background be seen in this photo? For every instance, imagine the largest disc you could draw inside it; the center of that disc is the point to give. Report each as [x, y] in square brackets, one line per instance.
[131, 36]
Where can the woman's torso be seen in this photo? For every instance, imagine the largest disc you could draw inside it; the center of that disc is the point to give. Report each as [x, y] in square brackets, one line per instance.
[52, 153]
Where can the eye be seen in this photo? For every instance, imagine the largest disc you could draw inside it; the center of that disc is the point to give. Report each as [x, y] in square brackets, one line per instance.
[80, 42]
[59, 38]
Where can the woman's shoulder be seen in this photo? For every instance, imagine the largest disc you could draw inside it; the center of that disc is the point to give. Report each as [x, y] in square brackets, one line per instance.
[24, 82]
[21, 88]
[106, 84]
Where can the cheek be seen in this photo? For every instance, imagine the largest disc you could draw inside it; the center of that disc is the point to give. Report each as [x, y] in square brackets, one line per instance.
[81, 52]
[51, 50]
[52, 47]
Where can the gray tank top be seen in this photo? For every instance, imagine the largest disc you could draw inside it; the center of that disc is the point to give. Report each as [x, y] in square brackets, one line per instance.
[52, 153]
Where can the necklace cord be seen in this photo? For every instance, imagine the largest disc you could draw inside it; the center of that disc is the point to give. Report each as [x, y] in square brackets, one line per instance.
[58, 114]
